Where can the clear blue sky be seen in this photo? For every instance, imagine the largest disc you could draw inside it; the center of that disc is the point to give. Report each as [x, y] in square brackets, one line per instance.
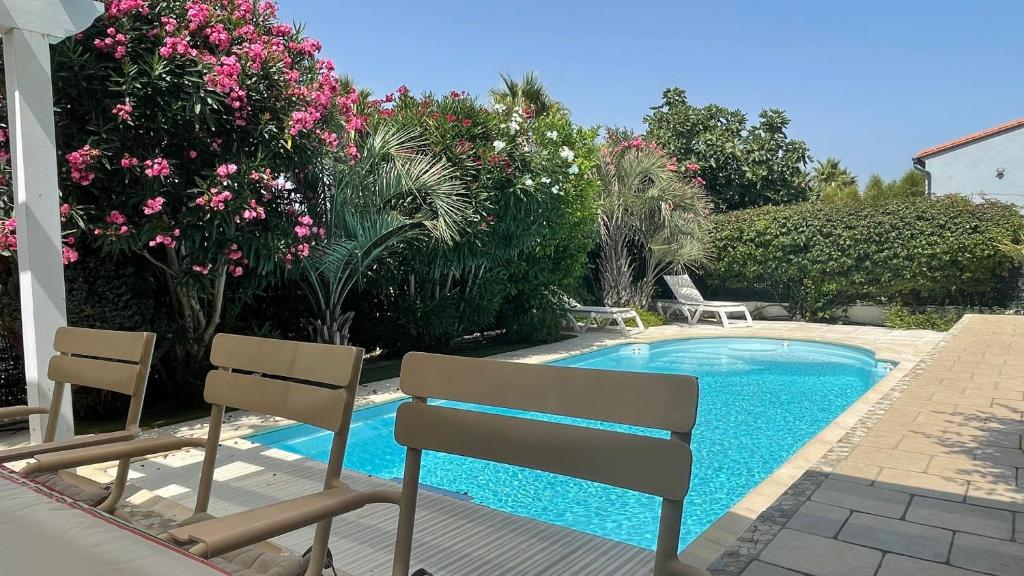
[870, 82]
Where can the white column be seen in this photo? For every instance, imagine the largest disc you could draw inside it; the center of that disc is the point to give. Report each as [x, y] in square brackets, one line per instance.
[34, 163]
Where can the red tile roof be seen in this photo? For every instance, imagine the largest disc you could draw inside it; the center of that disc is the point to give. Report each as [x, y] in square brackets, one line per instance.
[970, 138]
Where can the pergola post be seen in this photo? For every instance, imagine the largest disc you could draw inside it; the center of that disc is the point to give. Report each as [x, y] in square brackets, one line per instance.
[28, 27]
[40, 270]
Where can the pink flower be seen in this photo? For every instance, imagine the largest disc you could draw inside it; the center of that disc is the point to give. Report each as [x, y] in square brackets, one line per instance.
[65, 210]
[169, 24]
[226, 170]
[116, 217]
[692, 167]
[157, 167]
[254, 212]
[219, 37]
[304, 227]
[153, 205]
[79, 161]
[403, 90]
[121, 8]
[330, 139]
[129, 161]
[198, 14]
[698, 181]
[115, 43]
[201, 268]
[174, 46]
[8, 235]
[68, 254]
[163, 239]
[235, 271]
[672, 166]
[123, 111]
[192, 154]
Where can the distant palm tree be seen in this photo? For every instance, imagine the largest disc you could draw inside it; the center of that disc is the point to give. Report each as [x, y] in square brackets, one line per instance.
[394, 193]
[831, 182]
[830, 173]
[526, 93]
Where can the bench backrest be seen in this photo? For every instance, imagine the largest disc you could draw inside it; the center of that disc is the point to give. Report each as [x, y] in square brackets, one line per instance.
[104, 359]
[653, 465]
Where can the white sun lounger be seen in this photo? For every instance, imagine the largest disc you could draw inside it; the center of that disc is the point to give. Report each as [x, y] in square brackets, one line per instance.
[690, 302]
[582, 318]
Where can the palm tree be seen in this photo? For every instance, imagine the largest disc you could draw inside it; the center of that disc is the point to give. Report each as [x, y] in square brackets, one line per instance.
[394, 193]
[652, 221]
[832, 182]
[527, 93]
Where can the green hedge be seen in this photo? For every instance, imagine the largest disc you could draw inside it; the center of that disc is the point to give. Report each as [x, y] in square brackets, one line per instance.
[819, 256]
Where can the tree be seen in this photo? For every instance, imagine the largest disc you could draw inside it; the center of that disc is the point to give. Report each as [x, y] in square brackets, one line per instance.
[742, 165]
[876, 189]
[527, 94]
[910, 185]
[832, 182]
[193, 135]
[394, 193]
[652, 219]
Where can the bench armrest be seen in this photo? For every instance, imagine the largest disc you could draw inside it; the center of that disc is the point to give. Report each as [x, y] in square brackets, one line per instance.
[222, 535]
[109, 452]
[25, 452]
[10, 412]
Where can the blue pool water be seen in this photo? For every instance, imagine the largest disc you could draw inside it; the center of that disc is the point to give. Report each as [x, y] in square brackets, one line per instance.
[760, 401]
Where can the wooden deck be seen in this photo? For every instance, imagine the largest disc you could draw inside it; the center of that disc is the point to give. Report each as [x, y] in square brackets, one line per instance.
[453, 537]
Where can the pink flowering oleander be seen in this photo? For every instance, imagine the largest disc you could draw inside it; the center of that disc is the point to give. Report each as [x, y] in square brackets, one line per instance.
[115, 43]
[121, 8]
[123, 111]
[247, 72]
[157, 167]
[226, 170]
[80, 161]
[153, 205]
[8, 235]
[174, 46]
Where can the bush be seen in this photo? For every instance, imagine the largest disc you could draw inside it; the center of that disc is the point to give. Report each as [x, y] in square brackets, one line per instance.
[526, 167]
[905, 319]
[819, 256]
[651, 319]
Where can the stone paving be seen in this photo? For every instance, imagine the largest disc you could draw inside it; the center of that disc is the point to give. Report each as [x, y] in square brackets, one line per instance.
[931, 484]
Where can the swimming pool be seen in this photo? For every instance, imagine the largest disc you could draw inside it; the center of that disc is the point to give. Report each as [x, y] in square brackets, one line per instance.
[760, 401]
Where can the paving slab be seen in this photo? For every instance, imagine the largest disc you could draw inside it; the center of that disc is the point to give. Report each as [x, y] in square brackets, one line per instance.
[922, 484]
[896, 565]
[996, 496]
[863, 498]
[759, 568]
[820, 556]
[988, 555]
[961, 517]
[897, 536]
[817, 518]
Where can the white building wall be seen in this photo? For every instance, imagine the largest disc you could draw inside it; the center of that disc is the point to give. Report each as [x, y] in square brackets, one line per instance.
[971, 169]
